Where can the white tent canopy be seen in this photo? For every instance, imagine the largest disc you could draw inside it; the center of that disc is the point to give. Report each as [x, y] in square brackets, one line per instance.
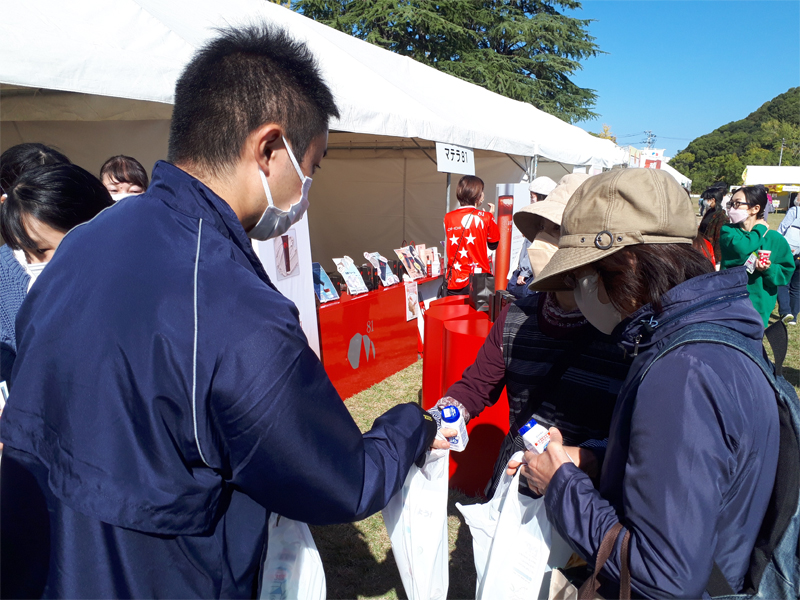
[96, 78]
[136, 49]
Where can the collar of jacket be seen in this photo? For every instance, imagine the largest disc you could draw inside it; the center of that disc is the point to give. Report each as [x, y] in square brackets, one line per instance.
[190, 196]
[720, 297]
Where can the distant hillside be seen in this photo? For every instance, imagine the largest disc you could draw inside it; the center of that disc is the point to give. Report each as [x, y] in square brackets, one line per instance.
[723, 154]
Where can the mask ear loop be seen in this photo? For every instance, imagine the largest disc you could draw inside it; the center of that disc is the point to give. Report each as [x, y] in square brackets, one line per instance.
[297, 168]
[266, 187]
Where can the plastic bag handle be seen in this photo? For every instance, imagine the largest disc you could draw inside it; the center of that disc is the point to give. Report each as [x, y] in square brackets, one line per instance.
[588, 590]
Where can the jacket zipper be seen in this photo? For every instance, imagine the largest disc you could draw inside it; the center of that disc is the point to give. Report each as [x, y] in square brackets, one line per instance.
[652, 324]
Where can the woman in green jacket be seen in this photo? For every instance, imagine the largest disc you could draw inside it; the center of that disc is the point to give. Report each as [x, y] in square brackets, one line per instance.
[741, 240]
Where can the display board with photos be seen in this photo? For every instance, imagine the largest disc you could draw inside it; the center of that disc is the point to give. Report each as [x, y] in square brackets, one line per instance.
[323, 286]
[412, 262]
[352, 277]
[382, 268]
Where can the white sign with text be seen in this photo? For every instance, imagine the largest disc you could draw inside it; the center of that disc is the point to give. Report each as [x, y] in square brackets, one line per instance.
[451, 158]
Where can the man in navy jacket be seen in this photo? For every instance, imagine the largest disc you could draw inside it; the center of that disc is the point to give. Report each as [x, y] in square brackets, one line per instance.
[165, 400]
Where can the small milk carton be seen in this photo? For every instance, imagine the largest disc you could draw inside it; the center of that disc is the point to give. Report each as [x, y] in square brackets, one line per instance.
[453, 419]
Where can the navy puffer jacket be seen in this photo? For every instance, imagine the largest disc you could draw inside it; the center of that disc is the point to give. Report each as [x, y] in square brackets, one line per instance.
[692, 451]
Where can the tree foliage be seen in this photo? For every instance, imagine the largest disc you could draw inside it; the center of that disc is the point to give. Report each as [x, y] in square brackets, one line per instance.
[524, 49]
[606, 134]
[723, 154]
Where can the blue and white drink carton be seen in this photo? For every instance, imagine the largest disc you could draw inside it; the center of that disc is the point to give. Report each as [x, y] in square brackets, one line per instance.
[453, 419]
[534, 436]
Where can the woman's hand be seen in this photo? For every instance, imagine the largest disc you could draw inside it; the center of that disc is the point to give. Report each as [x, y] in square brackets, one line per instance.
[539, 469]
[763, 264]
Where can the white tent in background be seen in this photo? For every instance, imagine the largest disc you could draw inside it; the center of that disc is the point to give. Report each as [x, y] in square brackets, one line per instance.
[770, 175]
[96, 78]
[677, 175]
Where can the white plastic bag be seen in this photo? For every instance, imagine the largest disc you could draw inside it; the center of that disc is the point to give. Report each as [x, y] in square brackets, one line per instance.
[293, 569]
[416, 519]
[511, 541]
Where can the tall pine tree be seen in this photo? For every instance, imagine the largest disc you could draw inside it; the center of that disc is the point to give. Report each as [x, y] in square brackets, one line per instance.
[524, 49]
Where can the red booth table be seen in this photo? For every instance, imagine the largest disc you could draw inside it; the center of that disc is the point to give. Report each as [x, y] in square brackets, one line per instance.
[461, 338]
[366, 338]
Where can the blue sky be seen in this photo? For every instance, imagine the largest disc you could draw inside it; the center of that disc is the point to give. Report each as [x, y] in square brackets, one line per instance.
[682, 68]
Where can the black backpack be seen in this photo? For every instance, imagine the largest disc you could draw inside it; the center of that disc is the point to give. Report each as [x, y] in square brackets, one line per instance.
[774, 570]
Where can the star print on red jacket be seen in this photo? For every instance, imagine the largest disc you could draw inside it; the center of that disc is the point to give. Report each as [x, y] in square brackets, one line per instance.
[468, 252]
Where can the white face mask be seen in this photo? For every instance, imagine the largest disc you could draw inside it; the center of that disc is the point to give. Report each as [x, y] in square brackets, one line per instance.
[541, 251]
[34, 270]
[275, 222]
[603, 316]
[118, 197]
[706, 203]
[737, 215]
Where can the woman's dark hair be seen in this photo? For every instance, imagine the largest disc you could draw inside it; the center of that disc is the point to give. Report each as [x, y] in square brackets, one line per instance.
[755, 195]
[60, 196]
[642, 274]
[242, 79]
[717, 193]
[18, 159]
[469, 190]
[125, 169]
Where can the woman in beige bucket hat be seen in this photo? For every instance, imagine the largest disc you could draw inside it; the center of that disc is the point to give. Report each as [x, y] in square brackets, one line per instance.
[554, 366]
[693, 446]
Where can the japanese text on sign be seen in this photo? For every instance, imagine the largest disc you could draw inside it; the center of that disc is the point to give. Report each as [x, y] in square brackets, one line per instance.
[451, 158]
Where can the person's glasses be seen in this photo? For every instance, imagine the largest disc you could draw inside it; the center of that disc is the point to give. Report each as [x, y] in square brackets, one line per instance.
[736, 204]
[570, 281]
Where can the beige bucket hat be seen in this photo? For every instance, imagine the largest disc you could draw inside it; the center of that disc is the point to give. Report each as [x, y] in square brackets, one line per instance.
[529, 219]
[619, 208]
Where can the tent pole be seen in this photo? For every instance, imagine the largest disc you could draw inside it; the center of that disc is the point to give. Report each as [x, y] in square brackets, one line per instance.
[446, 210]
[535, 165]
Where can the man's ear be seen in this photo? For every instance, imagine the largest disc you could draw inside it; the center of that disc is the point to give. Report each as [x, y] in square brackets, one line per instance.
[262, 144]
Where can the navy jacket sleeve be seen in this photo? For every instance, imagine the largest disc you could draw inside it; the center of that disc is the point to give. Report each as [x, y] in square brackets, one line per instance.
[676, 472]
[276, 428]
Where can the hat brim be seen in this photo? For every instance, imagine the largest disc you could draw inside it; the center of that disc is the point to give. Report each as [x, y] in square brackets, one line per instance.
[551, 279]
[529, 221]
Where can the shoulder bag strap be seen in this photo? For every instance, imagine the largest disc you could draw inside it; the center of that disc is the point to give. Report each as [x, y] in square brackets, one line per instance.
[588, 590]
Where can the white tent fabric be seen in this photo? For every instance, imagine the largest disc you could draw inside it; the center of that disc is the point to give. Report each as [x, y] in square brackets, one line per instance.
[136, 49]
[772, 175]
[677, 175]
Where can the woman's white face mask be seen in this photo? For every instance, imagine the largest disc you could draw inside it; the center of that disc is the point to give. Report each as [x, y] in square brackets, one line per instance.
[275, 222]
[34, 270]
[603, 316]
[541, 250]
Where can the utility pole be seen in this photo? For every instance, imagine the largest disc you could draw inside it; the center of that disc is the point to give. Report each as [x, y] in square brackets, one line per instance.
[783, 143]
[651, 138]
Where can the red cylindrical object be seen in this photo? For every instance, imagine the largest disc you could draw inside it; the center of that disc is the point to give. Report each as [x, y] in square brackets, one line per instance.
[502, 261]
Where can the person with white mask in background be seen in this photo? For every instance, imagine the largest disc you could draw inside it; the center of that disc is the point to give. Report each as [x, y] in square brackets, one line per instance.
[554, 365]
[14, 278]
[165, 399]
[38, 210]
[123, 176]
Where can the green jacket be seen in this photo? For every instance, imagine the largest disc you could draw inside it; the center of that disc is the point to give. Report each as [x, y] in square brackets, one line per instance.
[737, 244]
